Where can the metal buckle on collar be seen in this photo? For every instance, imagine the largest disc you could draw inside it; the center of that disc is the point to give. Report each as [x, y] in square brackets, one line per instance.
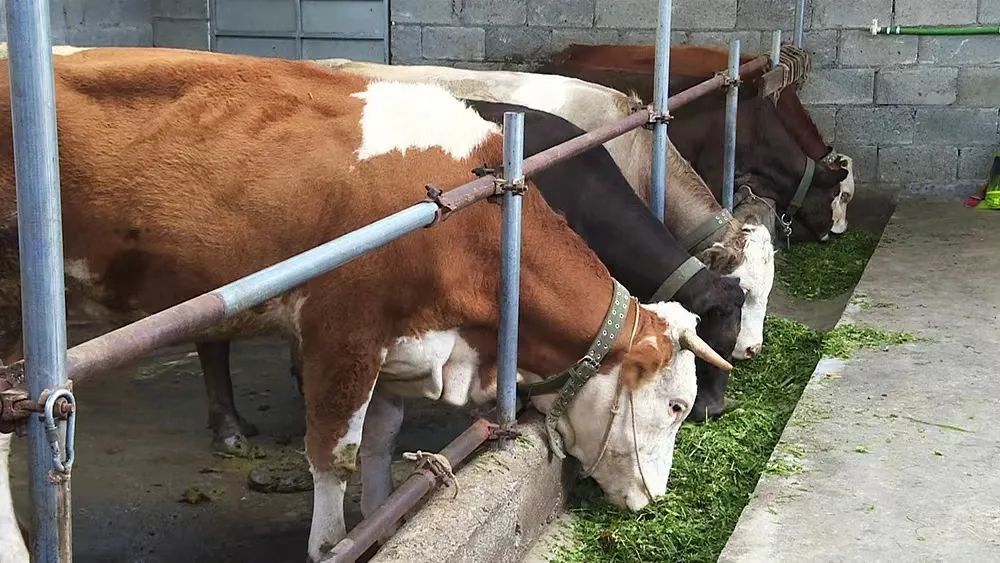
[576, 376]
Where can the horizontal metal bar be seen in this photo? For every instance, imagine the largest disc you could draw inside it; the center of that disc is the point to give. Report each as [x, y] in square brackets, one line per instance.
[283, 276]
[186, 319]
[406, 496]
[718, 81]
[565, 151]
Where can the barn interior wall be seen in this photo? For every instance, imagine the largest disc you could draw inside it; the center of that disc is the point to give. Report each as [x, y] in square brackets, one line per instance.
[915, 112]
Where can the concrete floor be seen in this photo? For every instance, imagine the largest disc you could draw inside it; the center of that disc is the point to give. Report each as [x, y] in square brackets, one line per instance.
[142, 442]
[899, 447]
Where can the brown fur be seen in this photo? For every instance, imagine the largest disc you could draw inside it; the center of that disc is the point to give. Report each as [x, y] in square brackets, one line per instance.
[183, 171]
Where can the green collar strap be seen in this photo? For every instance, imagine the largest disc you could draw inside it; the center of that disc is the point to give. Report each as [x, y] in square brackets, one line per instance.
[675, 281]
[803, 189]
[702, 236]
[571, 381]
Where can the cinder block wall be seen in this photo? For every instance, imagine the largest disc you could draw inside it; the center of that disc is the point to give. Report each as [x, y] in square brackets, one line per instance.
[915, 112]
[164, 23]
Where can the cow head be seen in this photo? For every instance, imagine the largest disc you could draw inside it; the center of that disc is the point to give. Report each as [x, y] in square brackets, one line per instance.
[654, 388]
[755, 272]
[719, 308]
[816, 211]
[839, 204]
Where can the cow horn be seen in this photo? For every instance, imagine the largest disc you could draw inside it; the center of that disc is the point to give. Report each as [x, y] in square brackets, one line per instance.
[691, 341]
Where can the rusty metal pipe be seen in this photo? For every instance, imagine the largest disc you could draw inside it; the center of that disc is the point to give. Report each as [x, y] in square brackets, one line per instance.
[407, 495]
[681, 99]
[565, 151]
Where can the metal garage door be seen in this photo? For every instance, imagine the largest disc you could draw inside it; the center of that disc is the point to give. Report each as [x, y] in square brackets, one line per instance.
[302, 29]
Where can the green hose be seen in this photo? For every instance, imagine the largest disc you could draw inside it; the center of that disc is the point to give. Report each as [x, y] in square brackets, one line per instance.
[930, 30]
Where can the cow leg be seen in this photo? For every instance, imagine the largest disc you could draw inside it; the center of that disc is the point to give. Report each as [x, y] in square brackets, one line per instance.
[382, 424]
[338, 388]
[13, 548]
[229, 429]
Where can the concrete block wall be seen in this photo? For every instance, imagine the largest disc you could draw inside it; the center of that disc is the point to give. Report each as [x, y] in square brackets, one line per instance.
[916, 112]
[163, 23]
[97, 22]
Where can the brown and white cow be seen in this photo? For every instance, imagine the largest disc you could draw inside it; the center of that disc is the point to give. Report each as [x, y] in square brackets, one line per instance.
[738, 249]
[182, 171]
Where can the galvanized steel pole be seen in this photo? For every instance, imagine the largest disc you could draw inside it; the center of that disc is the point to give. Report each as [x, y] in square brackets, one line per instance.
[776, 49]
[510, 267]
[661, 83]
[732, 100]
[36, 167]
[800, 21]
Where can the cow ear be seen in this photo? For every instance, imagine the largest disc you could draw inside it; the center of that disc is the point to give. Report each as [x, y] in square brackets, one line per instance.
[718, 258]
[646, 359]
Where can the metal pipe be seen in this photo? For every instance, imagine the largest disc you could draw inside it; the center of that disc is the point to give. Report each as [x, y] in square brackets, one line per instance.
[661, 87]
[775, 49]
[406, 496]
[510, 267]
[129, 342]
[681, 99]
[39, 221]
[732, 103]
[934, 30]
[800, 22]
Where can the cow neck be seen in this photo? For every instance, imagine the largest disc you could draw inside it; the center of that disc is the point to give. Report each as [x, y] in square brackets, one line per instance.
[565, 296]
[693, 215]
[800, 125]
[572, 380]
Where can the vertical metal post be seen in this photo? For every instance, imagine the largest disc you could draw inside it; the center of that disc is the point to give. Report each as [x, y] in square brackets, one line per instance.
[800, 22]
[661, 85]
[36, 167]
[510, 266]
[732, 101]
[776, 49]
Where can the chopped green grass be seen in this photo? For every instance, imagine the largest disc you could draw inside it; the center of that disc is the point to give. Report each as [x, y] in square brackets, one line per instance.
[716, 465]
[813, 270]
[842, 341]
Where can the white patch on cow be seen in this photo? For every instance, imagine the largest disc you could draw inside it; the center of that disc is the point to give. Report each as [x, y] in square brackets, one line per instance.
[539, 91]
[756, 275]
[840, 203]
[77, 269]
[12, 548]
[328, 526]
[399, 116]
[437, 365]
[656, 425]
[328, 486]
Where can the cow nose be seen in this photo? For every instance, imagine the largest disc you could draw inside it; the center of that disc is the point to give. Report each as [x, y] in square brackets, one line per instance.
[752, 351]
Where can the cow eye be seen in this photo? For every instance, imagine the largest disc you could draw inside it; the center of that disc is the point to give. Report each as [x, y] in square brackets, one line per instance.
[677, 406]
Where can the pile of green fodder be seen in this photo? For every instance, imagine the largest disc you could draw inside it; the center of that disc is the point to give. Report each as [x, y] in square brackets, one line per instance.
[716, 464]
[815, 270]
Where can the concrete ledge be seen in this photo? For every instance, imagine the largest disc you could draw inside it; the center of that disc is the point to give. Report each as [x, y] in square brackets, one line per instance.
[891, 455]
[505, 500]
